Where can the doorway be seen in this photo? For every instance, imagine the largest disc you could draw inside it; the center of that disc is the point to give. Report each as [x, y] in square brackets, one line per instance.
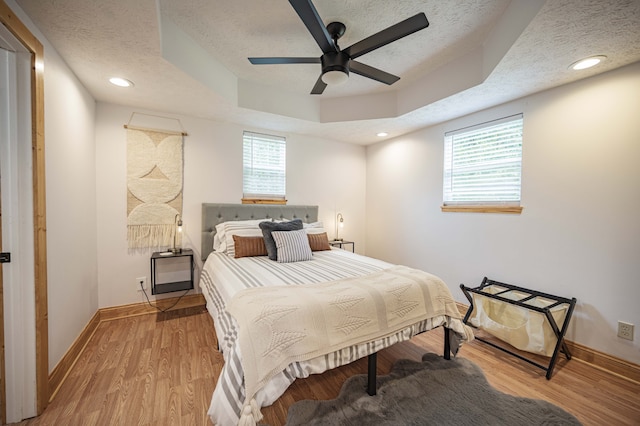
[16, 206]
[23, 287]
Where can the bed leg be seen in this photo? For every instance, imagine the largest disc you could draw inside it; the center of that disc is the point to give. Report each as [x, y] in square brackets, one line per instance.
[371, 373]
[447, 345]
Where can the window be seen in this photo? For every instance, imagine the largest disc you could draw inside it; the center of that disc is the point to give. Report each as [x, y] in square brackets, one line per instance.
[264, 166]
[482, 167]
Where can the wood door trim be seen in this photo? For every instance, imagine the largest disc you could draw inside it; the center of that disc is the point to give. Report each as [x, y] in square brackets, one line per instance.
[22, 33]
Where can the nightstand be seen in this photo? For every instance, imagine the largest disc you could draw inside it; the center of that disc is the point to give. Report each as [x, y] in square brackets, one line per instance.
[171, 271]
[342, 243]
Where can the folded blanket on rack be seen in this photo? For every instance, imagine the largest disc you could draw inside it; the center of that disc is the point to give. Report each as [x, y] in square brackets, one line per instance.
[284, 324]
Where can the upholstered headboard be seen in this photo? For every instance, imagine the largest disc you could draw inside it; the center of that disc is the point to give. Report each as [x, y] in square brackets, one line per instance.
[213, 214]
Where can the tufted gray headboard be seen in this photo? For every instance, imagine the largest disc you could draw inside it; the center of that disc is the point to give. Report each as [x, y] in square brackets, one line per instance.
[213, 214]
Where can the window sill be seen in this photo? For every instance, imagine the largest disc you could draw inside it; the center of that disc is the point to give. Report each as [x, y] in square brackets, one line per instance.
[262, 201]
[483, 209]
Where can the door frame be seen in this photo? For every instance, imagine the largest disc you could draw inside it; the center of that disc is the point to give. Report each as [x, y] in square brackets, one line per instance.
[3, 381]
[33, 45]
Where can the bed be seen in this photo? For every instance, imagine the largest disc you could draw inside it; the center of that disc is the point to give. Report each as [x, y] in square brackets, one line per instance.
[252, 285]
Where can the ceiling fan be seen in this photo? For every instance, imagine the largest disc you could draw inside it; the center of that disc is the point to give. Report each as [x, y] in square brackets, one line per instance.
[337, 63]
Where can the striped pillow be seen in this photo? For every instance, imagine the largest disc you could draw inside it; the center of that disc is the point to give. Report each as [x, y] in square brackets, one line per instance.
[269, 227]
[223, 240]
[249, 246]
[292, 246]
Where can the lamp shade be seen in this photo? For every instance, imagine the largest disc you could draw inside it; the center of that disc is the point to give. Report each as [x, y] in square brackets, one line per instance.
[339, 225]
[177, 234]
[333, 78]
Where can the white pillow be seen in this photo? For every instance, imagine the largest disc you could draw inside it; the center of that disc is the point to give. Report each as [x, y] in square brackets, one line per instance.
[314, 228]
[312, 225]
[293, 246]
[223, 240]
[216, 241]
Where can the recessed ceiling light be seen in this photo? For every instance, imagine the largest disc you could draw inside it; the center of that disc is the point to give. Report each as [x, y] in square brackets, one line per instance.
[383, 134]
[587, 62]
[122, 82]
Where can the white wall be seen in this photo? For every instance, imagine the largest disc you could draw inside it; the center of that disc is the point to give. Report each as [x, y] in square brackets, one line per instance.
[71, 206]
[71, 199]
[319, 172]
[579, 233]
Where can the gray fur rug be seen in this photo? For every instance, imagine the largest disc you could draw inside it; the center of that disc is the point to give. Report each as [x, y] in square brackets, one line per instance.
[432, 392]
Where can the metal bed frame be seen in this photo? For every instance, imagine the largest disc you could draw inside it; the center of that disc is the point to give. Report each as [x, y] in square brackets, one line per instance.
[215, 213]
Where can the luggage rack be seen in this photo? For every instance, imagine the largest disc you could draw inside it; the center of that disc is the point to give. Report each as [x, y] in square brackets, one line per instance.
[546, 311]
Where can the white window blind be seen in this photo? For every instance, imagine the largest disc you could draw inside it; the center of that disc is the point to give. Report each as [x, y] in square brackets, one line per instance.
[264, 166]
[483, 163]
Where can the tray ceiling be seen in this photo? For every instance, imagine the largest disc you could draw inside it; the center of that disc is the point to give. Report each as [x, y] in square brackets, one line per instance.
[190, 57]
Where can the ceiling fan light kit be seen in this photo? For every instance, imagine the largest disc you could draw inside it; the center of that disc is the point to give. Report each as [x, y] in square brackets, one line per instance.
[335, 68]
[336, 63]
[335, 78]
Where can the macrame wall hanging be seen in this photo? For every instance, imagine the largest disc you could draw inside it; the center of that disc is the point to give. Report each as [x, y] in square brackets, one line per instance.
[154, 185]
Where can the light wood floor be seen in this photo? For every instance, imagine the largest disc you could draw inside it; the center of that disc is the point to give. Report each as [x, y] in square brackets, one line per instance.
[161, 370]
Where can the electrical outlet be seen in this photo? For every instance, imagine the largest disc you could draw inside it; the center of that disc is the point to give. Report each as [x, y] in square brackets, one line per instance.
[143, 281]
[625, 330]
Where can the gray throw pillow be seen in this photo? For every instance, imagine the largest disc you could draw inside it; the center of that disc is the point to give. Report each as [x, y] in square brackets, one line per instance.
[269, 227]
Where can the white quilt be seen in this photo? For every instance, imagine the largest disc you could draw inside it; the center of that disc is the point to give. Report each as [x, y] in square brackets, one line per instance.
[223, 277]
[280, 325]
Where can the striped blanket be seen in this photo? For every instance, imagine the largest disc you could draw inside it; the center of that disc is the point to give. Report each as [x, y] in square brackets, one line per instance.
[223, 277]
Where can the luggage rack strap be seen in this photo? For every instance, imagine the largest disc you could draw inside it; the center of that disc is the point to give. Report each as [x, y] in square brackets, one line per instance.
[487, 282]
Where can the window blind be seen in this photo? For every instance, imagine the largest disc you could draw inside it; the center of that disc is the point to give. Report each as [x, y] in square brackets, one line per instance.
[264, 166]
[483, 163]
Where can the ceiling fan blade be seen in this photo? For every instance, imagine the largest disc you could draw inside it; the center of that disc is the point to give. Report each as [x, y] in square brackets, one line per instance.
[314, 24]
[272, 61]
[373, 73]
[386, 36]
[319, 86]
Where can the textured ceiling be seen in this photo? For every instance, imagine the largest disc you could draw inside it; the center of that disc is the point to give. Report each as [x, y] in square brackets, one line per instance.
[233, 30]
[190, 57]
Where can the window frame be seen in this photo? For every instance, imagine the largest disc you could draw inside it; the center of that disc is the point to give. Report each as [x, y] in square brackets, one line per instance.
[256, 197]
[480, 206]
